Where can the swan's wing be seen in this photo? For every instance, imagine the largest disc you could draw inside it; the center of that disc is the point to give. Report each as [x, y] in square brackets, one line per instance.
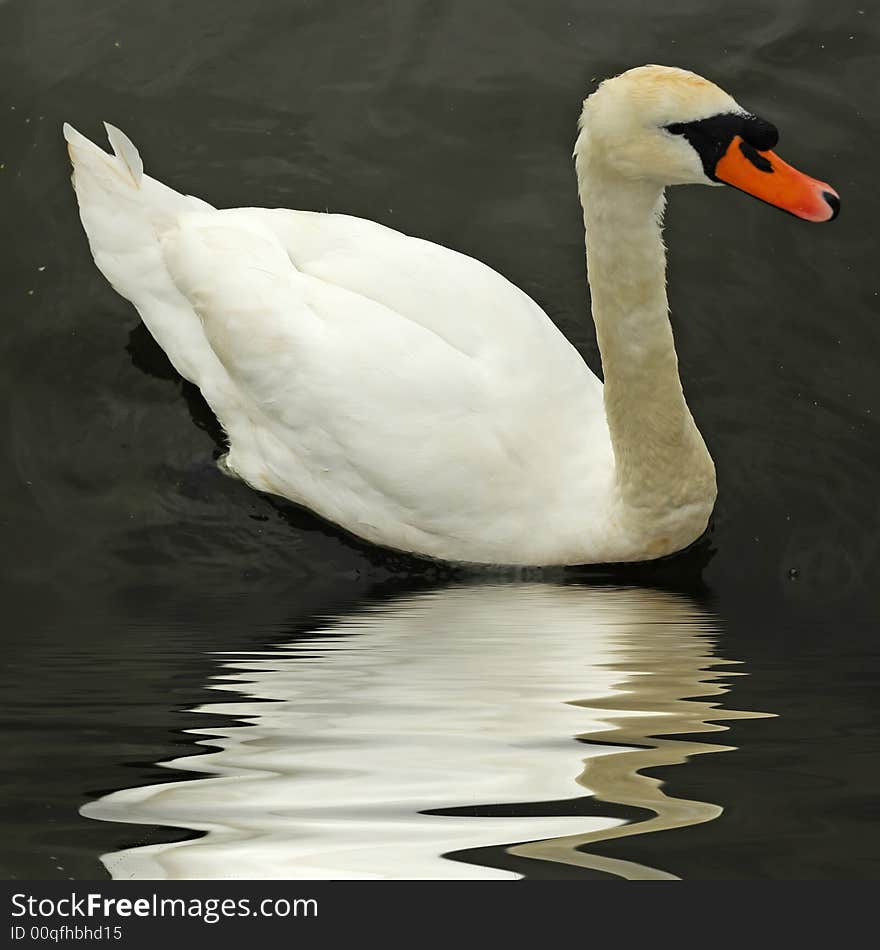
[276, 329]
[466, 303]
[402, 390]
[403, 428]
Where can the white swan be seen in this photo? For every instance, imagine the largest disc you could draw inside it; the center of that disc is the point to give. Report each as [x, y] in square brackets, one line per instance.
[414, 396]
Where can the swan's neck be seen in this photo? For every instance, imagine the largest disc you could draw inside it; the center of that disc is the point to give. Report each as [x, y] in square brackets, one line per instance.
[663, 469]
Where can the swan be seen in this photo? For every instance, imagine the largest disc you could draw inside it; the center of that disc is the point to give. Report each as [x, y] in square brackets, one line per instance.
[414, 396]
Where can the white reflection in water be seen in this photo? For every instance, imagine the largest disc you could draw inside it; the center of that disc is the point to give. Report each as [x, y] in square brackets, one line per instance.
[459, 697]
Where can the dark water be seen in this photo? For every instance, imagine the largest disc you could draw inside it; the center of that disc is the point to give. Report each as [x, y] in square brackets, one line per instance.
[361, 714]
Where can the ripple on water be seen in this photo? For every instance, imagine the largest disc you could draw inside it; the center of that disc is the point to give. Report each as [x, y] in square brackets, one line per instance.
[381, 725]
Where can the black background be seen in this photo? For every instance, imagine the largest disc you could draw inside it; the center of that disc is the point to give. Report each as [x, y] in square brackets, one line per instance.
[127, 555]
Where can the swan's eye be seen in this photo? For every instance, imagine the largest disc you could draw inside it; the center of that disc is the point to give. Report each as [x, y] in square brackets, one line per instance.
[712, 137]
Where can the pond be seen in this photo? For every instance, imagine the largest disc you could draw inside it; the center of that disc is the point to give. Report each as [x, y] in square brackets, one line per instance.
[203, 681]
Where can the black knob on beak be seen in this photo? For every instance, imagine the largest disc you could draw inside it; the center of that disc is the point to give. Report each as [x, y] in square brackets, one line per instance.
[834, 202]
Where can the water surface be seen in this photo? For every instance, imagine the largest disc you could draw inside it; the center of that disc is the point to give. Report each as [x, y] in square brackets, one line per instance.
[380, 742]
[157, 614]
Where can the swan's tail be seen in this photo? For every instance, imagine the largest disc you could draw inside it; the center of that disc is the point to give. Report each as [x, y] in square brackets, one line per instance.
[125, 161]
[126, 214]
[117, 184]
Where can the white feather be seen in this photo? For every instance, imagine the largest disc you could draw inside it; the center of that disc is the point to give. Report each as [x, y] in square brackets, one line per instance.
[125, 150]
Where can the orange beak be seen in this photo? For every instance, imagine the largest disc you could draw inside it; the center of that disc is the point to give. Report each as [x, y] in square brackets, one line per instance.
[767, 177]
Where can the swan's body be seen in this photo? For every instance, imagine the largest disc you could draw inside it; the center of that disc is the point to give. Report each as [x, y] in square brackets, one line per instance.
[409, 393]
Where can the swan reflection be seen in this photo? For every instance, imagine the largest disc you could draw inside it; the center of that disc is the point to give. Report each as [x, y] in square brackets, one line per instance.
[382, 724]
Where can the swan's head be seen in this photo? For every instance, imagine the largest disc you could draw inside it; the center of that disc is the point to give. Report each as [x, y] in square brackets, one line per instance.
[672, 127]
